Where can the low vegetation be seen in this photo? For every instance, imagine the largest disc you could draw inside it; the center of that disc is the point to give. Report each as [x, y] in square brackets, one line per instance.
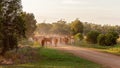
[109, 49]
[48, 58]
[78, 37]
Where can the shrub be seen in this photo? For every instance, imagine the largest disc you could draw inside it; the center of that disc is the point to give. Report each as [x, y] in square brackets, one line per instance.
[108, 39]
[115, 35]
[101, 39]
[78, 36]
[92, 36]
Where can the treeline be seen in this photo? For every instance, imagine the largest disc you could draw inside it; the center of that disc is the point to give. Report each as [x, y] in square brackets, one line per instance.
[101, 28]
[60, 27]
[105, 35]
[93, 33]
[63, 28]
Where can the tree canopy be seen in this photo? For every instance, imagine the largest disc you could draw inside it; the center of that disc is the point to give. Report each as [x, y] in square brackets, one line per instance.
[77, 27]
[30, 23]
[12, 26]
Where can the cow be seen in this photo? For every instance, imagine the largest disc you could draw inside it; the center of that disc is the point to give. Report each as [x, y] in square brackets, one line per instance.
[55, 40]
[48, 40]
[66, 40]
[43, 42]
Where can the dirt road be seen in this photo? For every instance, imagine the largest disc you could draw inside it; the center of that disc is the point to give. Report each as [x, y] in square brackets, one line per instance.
[107, 60]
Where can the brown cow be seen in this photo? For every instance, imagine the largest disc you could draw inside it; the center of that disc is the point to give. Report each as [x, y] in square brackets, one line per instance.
[43, 42]
[48, 40]
[66, 40]
[55, 41]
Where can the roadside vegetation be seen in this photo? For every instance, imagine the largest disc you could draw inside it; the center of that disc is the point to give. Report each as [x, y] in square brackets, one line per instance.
[109, 49]
[37, 57]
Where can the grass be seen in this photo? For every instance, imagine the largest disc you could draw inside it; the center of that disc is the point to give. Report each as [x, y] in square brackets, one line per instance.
[49, 58]
[109, 49]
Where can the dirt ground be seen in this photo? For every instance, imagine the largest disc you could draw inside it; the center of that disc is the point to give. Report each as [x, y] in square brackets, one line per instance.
[105, 59]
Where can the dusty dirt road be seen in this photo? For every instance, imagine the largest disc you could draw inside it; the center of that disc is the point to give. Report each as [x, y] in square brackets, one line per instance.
[105, 59]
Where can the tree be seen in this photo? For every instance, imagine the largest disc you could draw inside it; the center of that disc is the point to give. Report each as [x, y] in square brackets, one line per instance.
[78, 36]
[77, 27]
[101, 39]
[90, 26]
[30, 23]
[12, 26]
[87, 28]
[111, 38]
[92, 36]
[108, 39]
[60, 27]
[44, 28]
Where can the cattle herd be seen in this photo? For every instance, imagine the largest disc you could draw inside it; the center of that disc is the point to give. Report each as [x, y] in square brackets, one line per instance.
[53, 40]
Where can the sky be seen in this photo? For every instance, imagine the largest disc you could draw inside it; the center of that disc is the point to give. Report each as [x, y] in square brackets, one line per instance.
[92, 11]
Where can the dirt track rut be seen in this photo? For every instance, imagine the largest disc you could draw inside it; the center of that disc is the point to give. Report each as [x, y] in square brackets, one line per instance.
[107, 60]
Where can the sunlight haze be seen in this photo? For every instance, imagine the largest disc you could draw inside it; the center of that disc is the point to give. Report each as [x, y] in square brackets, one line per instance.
[92, 11]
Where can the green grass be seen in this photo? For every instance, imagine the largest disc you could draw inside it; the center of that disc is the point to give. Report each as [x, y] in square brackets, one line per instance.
[113, 50]
[109, 49]
[49, 58]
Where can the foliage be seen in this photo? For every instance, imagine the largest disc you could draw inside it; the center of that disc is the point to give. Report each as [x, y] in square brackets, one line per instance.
[115, 34]
[12, 26]
[78, 36]
[111, 38]
[77, 27]
[92, 36]
[109, 49]
[50, 58]
[89, 26]
[101, 39]
[30, 23]
[100, 28]
[108, 39]
[60, 27]
[43, 28]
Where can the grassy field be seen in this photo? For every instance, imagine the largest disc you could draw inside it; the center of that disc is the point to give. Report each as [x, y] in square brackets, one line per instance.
[49, 58]
[109, 49]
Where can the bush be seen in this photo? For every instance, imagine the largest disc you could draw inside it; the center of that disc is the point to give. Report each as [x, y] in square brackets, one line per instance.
[101, 39]
[108, 39]
[115, 35]
[92, 36]
[78, 36]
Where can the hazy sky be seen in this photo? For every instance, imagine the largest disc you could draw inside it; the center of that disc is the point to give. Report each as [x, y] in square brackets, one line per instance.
[93, 11]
